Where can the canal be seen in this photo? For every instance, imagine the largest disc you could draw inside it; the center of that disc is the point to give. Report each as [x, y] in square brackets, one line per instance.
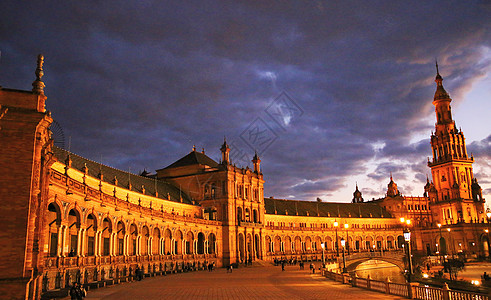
[380, 270]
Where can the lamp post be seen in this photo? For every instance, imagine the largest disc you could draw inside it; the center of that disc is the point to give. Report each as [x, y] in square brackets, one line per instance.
[440, 242]
[407, 238]
[346, 226]
[323, 257]
[337, 246]
[343, 242]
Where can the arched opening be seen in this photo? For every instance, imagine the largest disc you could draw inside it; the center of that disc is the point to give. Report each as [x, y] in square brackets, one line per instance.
[400, 241]
[120, 235]
[269, 244]
[106, 237]
[201, 243]
[241, 247]
[167, 242]
[54, 222]
[308, 244]
[144, 243]
[443, 246]
[380, 270]
[249, 247]
[247, 215]
[73, 231]
[368, 243]
[189, 242]
[254, 216]
[211, 243]
[239, 215]
[298, 244]
[91, 232]
[257, 244]
[485, 246]
[288, 244]
[277, 244]
[133, 239]
[156, 241]
[390, 242]
[328, 244]
[178, 242]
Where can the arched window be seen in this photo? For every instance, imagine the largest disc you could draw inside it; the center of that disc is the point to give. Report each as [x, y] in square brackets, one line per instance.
[91, 232]
[54, 222]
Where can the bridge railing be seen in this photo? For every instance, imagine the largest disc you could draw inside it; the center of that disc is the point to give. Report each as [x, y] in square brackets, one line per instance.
[407, 290]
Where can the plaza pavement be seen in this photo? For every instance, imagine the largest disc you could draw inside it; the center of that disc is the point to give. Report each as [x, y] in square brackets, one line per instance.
[244, 283]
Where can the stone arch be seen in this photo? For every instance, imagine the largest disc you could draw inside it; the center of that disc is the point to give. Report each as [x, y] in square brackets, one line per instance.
[316, 244]
[241, 247]
[212, 243]
[145, 236]
[269, 245]
[91, 232]
[167, 241]
[328, 243]
[200, 245]
[298, 244]
[120, 235]
[485, 246]
[390, 242]
[369, 243]
[239, 215]
[189, 243]
[379, 242]
[288, 244]
[177, 247]
[107, 230]
[156, 247]
[257, 245]
[133, 243]
[247, 215]
[308, 244]
[54, 217]
[277, 244]
[249, 248]
[255, 217]
[74, 222]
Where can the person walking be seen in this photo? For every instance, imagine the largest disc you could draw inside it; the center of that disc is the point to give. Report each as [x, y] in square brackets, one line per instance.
[76, 292]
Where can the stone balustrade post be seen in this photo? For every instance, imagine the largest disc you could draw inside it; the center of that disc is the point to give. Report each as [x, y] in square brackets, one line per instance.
[387, 285]
[446, 292]
[368, 281]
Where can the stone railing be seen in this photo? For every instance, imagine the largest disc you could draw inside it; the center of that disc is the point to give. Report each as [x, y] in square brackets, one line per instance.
[410, 291]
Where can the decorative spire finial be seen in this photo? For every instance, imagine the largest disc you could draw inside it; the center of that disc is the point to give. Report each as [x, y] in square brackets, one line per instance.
[436, 63]
[38, 85]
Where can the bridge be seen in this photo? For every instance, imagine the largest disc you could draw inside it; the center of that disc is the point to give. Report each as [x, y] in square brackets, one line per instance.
[354, 260]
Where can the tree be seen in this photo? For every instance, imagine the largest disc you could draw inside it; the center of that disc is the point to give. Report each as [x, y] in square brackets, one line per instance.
[453, 267]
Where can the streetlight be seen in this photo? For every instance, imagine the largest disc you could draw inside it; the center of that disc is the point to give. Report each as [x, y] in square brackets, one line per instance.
[346, 226]
[343, 242]
[323, 258]
[407, 238]
[337, 246]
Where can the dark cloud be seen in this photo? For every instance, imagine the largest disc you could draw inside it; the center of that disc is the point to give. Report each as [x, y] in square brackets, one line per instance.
[136, 84]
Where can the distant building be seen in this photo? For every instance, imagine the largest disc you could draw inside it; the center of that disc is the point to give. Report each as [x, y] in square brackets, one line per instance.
[65, 218]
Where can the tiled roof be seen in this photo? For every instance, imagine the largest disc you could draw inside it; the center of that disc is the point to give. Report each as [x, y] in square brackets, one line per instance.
[194, 158]
[324, 209]
[137, 181]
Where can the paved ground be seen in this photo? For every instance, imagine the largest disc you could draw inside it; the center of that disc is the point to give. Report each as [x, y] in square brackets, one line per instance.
[244, 283]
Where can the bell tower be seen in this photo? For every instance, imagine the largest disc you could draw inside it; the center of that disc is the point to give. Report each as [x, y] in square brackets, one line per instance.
[451, 167]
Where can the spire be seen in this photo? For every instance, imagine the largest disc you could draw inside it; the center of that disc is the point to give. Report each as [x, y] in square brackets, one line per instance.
[440, 93]
[194, 148]
[257, 163]
[38, 85]
[225, 152]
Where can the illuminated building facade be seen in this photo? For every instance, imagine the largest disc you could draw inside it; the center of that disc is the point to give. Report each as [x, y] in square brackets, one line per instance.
[66, 218]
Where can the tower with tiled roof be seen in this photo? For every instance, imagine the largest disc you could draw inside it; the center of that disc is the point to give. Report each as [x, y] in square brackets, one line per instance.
[451, 167]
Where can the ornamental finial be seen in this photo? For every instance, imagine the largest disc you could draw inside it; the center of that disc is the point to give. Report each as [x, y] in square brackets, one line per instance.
[38, 85]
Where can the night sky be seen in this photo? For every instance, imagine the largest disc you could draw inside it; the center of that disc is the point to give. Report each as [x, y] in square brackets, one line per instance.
[328, 94]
